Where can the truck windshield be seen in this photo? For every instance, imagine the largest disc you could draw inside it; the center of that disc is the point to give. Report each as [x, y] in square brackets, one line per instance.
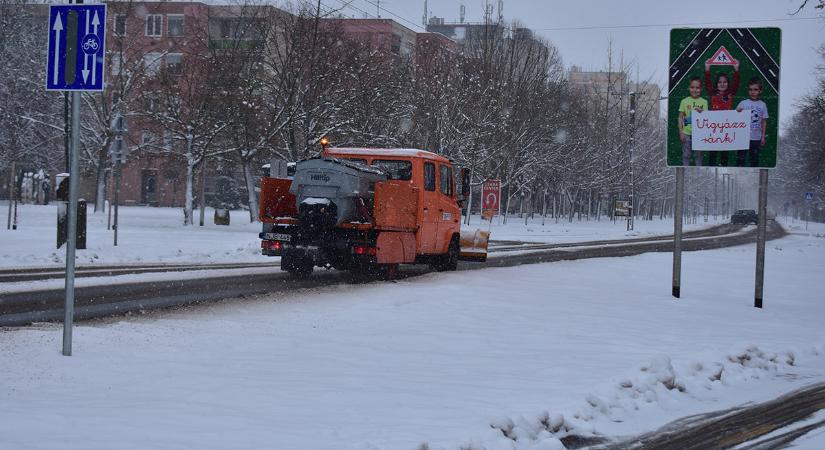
[395, 170]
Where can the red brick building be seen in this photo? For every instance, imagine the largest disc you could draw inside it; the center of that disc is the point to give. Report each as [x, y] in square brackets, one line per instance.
[147, 40]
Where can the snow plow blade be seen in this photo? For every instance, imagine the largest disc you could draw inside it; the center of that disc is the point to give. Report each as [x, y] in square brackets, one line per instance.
[474, 245]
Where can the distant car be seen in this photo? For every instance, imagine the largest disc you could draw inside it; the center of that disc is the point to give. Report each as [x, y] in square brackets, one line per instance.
[745, 216]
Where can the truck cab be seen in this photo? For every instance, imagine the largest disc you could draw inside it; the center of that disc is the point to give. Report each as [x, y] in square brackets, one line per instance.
[438, 213]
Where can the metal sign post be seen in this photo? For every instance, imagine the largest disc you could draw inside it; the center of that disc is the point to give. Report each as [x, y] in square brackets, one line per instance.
[678, 210]
[12, 186]
[760, 237]
[75, 63]
[71, 242]
[725, 87]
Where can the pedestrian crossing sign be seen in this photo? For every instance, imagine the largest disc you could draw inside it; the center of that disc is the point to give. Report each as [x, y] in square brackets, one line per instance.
[722, 57]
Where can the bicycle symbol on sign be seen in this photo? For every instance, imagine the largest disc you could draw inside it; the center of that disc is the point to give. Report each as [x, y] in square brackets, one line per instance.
[90, 44]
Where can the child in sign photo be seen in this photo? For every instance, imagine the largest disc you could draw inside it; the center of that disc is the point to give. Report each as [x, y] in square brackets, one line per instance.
[721, 99]
[686, 108]
[759, 122]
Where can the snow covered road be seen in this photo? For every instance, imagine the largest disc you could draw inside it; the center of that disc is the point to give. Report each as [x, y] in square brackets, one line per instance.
[464, 359]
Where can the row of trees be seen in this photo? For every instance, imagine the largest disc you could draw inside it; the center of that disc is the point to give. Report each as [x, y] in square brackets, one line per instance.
[801, 166]
[258, 83]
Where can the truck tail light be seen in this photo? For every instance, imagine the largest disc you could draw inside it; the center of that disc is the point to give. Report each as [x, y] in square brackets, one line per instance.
[364, 250]
[272, 245]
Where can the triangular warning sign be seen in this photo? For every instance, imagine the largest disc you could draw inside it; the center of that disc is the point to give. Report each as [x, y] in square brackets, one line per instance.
[722, 57]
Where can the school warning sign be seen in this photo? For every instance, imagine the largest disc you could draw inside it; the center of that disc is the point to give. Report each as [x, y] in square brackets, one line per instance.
[723, 97]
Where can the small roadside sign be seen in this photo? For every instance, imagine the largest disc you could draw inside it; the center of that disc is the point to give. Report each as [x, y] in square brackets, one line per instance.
[77, 47]
[622, 208]
[491, 197]
[809, 196]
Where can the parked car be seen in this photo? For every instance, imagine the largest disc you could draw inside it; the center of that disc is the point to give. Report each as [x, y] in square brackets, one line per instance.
[745, 216]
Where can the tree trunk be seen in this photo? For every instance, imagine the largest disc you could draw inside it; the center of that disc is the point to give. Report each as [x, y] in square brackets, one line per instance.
[188, 206]
[250, 192]
[188, 203]
[202, 195]
[100, 188]
[572, 212]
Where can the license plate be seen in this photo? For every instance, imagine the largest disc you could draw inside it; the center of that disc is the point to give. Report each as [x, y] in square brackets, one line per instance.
[277, 237]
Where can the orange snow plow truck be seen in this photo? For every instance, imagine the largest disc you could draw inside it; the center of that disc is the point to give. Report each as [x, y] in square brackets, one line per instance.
[367, 211]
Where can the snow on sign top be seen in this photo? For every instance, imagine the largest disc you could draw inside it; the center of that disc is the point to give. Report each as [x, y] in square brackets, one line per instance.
[722, 57]
[391, 152]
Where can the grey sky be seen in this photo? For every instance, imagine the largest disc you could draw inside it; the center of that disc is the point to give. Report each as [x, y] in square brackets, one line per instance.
[648, 46]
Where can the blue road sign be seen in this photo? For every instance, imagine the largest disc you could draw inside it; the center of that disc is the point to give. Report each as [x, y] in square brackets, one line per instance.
[77, 47]
[809, 196]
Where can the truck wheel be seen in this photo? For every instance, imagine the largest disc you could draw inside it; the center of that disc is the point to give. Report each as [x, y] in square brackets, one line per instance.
[389, 271]
[300, 267]
[449, 261]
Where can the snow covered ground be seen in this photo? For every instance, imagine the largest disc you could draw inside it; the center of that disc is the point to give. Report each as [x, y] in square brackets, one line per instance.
[459, 360]
[146, 235]
[156, 235]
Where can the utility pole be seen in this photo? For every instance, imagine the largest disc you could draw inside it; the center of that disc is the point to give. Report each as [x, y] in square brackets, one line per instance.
[119, 152]
[632, 209]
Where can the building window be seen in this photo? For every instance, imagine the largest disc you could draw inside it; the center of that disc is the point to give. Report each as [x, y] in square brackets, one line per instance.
[117, 64]
[120, 25]
[167, 141]
[154, 25]
[151, 101]
[175, 24]
[147, 138]
[174, 63]
[151, 63]
[226, 28]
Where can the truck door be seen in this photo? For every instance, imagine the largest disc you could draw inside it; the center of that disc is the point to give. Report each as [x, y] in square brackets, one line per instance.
[427, 237]
[448, 211]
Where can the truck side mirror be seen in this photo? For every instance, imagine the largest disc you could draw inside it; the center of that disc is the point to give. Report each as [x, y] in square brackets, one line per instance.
[465, 184]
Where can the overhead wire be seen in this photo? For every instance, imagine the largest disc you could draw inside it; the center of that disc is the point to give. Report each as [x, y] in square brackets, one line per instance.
[378, 5]
[348, 4]
[685, 24]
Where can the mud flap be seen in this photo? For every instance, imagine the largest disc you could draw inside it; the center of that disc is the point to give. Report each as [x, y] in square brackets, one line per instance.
[474, 245]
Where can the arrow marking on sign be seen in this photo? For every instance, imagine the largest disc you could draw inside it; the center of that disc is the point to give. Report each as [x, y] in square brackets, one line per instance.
[758, 55]
[95, 22]
[85, 70]
[680, 67]
[57, 28]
